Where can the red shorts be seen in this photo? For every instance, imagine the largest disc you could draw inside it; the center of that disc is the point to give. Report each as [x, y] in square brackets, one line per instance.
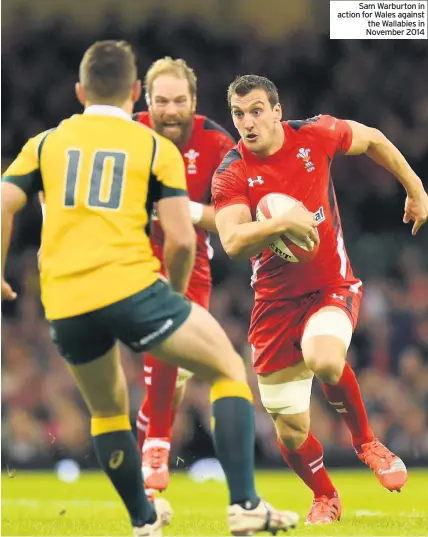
[200, 294]
[276, 328]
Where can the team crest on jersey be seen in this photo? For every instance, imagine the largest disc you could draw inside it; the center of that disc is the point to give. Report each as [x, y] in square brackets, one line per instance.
[191, 156]
[304, 154]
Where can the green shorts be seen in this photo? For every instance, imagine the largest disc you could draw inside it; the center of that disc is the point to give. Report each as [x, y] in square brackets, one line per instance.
[141, 321]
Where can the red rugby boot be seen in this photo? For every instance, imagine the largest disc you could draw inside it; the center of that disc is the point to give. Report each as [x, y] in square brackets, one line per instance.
[387, 467]
[155, 463]
[324, 510]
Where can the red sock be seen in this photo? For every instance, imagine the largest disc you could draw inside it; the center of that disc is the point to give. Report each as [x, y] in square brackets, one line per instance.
[160, 394]
[307, 462]
[142, 423]
[346, 398]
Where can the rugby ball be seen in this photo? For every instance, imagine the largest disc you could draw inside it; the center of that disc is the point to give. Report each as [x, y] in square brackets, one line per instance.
[287, 246]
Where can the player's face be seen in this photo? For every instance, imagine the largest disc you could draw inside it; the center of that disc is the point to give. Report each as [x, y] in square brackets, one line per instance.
[256, 121]
[172, 108]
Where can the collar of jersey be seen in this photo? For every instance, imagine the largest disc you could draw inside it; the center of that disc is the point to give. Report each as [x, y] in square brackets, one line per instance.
[106, 110]
[278, 155]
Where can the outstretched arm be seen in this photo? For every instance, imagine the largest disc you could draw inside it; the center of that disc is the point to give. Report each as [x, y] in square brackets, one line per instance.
[373, 143]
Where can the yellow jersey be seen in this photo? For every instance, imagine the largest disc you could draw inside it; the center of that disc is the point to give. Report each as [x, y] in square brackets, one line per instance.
[100, 172]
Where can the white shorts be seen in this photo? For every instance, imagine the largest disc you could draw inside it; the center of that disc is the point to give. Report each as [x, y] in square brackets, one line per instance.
[287, 398]
[329, 323]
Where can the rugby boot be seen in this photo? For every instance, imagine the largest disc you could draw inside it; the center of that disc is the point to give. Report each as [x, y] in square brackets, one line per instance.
[389, 469]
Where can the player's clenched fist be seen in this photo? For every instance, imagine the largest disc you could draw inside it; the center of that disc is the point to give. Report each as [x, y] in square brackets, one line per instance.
[301, 223]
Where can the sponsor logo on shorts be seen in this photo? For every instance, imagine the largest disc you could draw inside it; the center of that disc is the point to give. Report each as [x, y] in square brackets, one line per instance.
[153, 335]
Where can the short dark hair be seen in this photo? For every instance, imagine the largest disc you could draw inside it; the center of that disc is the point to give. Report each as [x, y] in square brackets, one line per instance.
[246, 83]
[107, 72]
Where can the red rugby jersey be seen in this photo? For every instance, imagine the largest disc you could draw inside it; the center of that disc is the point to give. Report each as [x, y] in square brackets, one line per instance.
[301, 169]
[203, 153]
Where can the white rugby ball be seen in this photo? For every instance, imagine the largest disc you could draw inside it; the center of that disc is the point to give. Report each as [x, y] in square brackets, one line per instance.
[287, 246]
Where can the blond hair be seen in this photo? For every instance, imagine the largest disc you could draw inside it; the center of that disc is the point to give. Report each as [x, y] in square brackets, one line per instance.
[107, 72]
[168, 66]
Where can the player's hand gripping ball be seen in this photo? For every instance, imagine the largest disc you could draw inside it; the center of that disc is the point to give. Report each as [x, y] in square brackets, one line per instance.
[288, 247]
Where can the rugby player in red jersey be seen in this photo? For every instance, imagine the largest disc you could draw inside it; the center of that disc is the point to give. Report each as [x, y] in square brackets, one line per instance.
[304, 313]
[170, 87]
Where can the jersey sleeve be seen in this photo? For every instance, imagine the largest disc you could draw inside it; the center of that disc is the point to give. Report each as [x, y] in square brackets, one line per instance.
[334, 134]
[219, 141]
[229, 185]
[24, 172]
[168, 169]
[225, 144]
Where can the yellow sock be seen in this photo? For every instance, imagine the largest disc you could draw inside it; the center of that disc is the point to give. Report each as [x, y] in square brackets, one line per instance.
[110, 424]
[231, 388]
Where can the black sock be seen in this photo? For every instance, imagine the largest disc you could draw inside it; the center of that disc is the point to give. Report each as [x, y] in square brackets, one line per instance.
[234, 438]
[118, 454]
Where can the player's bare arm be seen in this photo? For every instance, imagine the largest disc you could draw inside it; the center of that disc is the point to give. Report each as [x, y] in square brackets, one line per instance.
[203, 216]
[376, 145]
[13, 199]
[180, 240]
[242, 238]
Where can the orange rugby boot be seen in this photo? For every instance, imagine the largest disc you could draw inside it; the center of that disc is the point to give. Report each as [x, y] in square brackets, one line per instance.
[155, 463]
[387, 467]
[324, 510]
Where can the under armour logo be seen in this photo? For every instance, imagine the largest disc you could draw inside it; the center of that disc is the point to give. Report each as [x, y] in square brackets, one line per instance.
[340, 297]
[252, 182]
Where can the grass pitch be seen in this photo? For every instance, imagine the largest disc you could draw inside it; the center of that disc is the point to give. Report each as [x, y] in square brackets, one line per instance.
[40, 504]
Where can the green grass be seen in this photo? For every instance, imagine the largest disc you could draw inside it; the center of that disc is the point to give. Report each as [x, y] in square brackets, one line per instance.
[40, 504]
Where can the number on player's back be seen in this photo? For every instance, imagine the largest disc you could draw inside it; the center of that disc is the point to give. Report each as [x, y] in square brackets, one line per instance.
[97, 179]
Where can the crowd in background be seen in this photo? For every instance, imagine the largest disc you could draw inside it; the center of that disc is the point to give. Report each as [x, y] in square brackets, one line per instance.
[380, 83]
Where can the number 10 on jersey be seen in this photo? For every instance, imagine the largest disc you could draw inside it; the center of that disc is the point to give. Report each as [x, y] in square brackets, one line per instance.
[97, 178]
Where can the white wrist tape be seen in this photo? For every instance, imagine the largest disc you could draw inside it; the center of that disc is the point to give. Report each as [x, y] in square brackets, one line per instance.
[196, 211]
